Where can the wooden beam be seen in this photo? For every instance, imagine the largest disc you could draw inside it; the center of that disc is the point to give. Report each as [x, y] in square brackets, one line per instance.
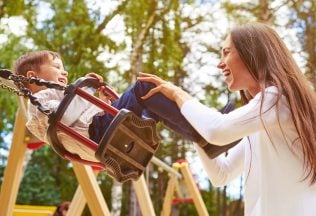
[14, 169]
[167, 204]
[78, 202]
[143, 197]
[91, 189]
[193, 189]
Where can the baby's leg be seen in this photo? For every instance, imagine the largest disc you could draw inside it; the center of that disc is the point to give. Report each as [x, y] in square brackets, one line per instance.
[157, 107]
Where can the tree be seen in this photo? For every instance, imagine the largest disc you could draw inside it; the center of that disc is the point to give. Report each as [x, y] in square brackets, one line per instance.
[304, 20]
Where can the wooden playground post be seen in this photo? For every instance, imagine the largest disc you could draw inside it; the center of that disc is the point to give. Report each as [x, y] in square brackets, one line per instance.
[143, 197]
[190, 184]
[193, 189]
[91, 189]
[167, 204]
[78, 201]
[14, 169]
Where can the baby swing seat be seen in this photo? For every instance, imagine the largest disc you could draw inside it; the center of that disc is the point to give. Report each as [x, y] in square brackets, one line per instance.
[126, 147]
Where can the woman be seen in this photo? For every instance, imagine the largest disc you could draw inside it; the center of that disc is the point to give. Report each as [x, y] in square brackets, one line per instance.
[277, 124]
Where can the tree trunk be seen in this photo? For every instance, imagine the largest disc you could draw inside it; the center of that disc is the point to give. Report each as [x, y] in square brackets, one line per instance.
[134, 209]
[116, 198]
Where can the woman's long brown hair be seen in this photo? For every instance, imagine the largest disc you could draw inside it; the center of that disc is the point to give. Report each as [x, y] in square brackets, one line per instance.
[271, 63]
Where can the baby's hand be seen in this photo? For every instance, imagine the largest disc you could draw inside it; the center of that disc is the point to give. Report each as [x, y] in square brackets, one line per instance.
[94, 75]
[100, 90]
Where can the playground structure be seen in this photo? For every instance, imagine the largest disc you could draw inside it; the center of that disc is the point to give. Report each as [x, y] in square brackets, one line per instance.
[88, 191]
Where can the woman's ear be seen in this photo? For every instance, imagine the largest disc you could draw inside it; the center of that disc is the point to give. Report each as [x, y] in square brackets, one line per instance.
[31, 74]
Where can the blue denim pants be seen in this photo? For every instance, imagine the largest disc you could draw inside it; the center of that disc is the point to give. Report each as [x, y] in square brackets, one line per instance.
[157, 107]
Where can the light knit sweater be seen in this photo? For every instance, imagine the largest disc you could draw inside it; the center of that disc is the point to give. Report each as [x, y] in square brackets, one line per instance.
[270, 160]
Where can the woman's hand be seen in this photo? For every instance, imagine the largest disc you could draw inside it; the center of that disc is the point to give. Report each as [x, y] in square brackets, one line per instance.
[171, 91]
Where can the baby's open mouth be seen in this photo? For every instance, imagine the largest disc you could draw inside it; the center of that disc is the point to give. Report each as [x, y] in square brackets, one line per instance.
[62, 80]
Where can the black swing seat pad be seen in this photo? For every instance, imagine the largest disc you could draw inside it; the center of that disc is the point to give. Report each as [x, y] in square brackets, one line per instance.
[128, 145]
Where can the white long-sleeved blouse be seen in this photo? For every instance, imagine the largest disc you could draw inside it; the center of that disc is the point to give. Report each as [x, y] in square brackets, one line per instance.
[269, 155]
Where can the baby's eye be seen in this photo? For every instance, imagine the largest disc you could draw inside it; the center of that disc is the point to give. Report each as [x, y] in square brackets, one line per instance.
[57, 66]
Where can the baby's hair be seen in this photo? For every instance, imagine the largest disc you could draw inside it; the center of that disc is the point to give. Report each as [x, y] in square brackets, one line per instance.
[32, 61]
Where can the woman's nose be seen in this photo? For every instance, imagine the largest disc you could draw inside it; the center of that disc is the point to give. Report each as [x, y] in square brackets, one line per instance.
[221, 65]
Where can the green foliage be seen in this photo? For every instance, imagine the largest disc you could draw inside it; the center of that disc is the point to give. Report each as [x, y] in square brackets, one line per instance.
[11, 8]
[47, 180]
[7, 100]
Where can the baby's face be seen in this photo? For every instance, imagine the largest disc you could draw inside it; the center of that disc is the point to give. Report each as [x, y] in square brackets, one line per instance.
[53, 70]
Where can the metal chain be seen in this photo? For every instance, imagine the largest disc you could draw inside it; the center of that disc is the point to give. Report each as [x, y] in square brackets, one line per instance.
[19, 81]
[10, 89]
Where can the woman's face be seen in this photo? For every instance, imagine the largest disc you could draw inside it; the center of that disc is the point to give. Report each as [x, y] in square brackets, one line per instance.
[237, 76]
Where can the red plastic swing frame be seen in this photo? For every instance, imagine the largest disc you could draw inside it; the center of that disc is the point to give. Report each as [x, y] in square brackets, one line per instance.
[82, 139]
